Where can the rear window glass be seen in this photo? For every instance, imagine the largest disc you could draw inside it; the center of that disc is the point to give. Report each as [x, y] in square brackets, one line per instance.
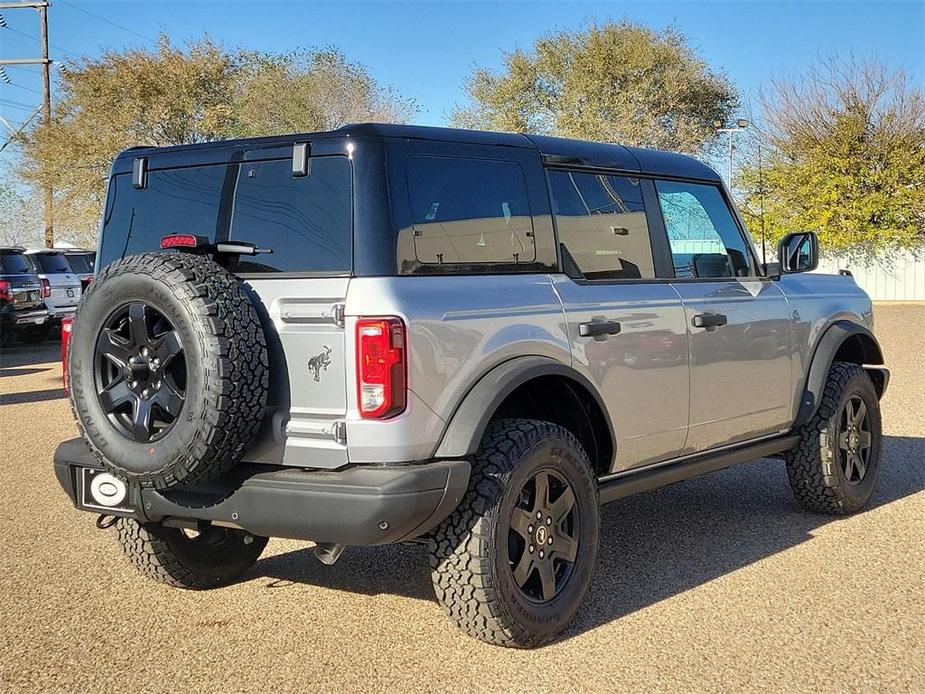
[51, 263]
[469, 211]
[15, 264]
[305, 221]
[81, 262]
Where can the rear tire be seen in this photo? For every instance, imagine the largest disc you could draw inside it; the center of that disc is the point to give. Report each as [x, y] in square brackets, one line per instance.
[833, 469]
[216, 557]
[168, 369]
[502, 574]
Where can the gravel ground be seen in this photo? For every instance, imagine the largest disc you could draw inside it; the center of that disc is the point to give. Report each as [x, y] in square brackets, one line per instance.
[716, 584]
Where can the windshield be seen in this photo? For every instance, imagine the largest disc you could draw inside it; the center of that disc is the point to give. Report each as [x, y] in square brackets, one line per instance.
[305, 221]
[15, 264]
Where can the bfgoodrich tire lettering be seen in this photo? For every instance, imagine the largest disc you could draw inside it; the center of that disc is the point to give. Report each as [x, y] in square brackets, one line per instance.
[226, 369]
[471, 557]
[821, 480]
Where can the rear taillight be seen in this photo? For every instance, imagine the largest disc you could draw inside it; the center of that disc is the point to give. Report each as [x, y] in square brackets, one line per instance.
[46, 288]
[381, 368]
[65, 346]
[6, 290]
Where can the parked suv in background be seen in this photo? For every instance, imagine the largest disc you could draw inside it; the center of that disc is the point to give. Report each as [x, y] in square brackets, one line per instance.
[22, 304]
[82, 263]
[383, 334]
[64, 290]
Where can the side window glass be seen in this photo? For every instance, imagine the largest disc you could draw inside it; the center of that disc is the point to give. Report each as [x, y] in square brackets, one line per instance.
[704, 237]
[601, 222]
[469, 211]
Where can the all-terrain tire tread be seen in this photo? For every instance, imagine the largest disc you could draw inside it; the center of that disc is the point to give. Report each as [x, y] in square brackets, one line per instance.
[810, 465]
[157, 560]
[460, 568]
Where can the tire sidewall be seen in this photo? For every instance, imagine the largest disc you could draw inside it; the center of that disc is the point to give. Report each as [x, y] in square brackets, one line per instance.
[565, 458]
[136, 458]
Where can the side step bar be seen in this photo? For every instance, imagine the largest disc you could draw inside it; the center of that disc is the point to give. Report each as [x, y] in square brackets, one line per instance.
[623, 484]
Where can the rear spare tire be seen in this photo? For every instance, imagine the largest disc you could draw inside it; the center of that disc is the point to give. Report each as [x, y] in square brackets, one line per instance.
[168, 369]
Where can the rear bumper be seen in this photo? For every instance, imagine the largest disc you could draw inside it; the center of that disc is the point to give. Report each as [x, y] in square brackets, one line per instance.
[360, 505]
[26, 318]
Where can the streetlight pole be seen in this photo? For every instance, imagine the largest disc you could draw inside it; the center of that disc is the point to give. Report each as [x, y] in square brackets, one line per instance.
[741, 124]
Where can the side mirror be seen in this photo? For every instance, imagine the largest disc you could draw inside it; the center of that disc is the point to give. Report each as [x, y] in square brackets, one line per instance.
[798, 252]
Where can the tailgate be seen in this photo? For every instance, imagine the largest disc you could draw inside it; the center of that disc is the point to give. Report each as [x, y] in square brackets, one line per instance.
[303, 322]
[25, 291]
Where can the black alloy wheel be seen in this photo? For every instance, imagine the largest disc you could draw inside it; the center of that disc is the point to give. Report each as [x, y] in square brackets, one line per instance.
[544, 536]
[140, 372]
[854, 439]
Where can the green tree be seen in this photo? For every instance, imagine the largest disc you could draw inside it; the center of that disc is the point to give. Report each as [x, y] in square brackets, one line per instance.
[843, 154]
[171, 95]
[616, 82]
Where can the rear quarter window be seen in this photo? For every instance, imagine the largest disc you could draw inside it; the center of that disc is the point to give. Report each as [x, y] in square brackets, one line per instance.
[469, 212]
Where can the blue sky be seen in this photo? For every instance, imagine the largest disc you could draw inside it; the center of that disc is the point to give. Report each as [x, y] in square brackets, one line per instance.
[425, 50]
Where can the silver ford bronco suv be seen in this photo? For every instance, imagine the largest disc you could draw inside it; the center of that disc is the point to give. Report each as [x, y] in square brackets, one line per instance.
[470, 340]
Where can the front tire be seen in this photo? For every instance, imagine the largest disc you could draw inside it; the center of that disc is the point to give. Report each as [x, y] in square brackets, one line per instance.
[512, 563]
[215, 557]
[833, 469]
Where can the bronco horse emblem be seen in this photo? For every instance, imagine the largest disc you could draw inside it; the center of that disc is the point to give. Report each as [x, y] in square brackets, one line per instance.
[320, 362]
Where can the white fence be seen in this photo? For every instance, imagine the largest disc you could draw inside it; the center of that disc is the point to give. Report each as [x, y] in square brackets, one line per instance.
[901, 278]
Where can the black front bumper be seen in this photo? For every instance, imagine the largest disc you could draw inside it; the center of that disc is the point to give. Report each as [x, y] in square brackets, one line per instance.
[360, 505]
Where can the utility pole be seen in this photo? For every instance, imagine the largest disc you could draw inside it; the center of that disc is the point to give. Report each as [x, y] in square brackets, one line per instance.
[45, 62]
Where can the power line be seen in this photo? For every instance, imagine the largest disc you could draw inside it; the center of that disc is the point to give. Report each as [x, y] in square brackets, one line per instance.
[107, 21]
[38, 40]
[22, 86]
[15, 104]
[21, 67]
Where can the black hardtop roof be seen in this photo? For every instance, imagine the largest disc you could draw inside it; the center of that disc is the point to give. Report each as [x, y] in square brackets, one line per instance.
[555, 150]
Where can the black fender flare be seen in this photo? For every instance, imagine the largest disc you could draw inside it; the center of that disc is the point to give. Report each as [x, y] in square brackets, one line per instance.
[467, 425]
[823, 356]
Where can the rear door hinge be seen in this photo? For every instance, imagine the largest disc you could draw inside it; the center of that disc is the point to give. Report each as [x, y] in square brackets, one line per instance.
[339, 432]
[337, 313]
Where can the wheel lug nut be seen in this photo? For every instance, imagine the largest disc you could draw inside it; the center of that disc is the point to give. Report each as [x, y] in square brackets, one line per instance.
[530, 549]
[548, 520]
[549, 541]
[539, 515]
[529, 528]
[542, 554]
[134, 384]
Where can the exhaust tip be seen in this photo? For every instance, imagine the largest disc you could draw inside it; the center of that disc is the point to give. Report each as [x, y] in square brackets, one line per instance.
[329, 552]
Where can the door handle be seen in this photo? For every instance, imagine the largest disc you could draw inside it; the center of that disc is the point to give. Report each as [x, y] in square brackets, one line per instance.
[710, 321]
[598, 328]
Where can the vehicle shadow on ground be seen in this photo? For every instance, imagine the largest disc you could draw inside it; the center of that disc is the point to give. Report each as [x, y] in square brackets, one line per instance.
[653, 546]
[20, 355]
[32, 396]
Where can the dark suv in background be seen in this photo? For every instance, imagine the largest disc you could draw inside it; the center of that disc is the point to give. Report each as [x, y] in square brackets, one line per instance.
[22, 297]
